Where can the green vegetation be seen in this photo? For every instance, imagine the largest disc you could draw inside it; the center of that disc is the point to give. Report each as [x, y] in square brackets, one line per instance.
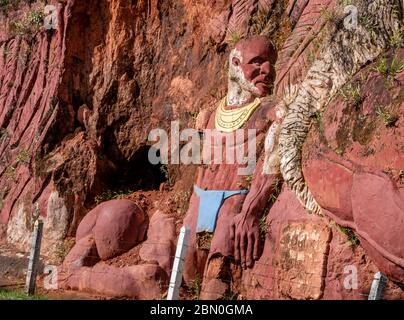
[352, 93]
[263, 228]
[229, 295]
[397, 40]
[181, 199]
[388, 119]
[111, 195]
[165, 170]
[61, 251]
[276, 190]
[4, 3]
[235, 37]
[396, 66]
[195, 287]
[6, 294]
[10, 173]
[339, 151]
[29, 25]
[273, 23]
[23, 156]
[318, 117]
[246, 183]
[329, 16]
[259, 21]
[311, 57]
[7, 5]
[353, 239]
[389, 70]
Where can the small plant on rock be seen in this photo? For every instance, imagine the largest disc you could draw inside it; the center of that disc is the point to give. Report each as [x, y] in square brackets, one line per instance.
[164, 169]
[10, 173]
[328, 15]
[353, 94]
[111, 195]
[276, 190]
[263, 227]
[23, 156]
[229, 295]
[27, 26]
[389, 70]
[345, 3]
[397, 40]
[195, 286]
[353, 239]
[61, 251]
[235, 37]
[388, 119]
[181, 200]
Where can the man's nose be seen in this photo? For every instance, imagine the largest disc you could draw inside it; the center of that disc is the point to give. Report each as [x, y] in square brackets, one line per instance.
[265, 67]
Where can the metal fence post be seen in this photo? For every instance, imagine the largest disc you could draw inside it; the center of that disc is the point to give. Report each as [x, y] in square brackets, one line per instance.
[378, 285]
[178, 266]
[33, 263]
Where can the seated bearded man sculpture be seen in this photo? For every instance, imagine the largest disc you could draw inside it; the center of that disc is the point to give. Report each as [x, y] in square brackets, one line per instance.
[223, 215]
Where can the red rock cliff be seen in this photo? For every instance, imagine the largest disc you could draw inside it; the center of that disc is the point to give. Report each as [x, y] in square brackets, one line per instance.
[77, 105]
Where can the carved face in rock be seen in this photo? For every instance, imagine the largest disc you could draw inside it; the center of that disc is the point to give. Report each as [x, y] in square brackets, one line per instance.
[251, 65]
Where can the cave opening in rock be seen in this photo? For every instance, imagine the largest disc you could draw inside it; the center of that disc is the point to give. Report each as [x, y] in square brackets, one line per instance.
[138, 173]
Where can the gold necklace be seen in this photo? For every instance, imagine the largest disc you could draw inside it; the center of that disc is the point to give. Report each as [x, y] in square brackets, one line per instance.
[233, 119]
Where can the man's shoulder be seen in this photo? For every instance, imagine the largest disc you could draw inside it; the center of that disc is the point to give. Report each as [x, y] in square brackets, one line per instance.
[268, 105]
[205, 117]
[266, 113]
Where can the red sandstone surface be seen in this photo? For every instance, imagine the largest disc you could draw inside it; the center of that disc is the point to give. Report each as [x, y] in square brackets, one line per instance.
[76, 107]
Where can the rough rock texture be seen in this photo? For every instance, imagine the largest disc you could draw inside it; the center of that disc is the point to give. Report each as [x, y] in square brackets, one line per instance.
[352, 163]
[77, 104]
[343, 55]
[120, 225]
[139, 282]
[109, 244]
[83, 254]
[308, 257]
[160, 243]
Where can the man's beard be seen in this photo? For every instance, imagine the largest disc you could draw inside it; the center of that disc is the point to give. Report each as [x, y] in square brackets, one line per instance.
[248, 88]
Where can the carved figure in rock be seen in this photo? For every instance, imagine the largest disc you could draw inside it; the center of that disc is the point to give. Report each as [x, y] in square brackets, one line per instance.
[348, 51]
[109, 230]
[225, 207]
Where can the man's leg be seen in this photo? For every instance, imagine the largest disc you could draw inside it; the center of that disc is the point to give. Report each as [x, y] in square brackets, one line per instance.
[216, 280]
[221, 279]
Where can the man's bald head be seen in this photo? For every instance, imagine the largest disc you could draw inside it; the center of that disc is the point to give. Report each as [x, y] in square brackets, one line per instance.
[254, 46]
[252, 65]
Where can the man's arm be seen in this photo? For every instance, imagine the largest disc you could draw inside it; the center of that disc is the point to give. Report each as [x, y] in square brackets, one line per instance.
[246, 224]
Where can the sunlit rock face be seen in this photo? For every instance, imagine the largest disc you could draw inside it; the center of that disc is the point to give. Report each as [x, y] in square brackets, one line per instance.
[77, 105]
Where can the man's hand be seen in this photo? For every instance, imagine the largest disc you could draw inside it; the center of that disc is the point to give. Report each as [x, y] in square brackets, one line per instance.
[245, 233]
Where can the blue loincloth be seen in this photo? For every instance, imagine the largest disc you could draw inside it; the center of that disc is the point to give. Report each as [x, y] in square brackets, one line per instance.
[210, 202]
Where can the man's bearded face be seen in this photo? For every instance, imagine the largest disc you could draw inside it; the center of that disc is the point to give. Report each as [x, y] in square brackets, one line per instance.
[255, 61]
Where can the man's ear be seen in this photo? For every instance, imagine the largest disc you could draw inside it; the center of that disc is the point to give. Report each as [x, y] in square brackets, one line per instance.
[235, 61]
